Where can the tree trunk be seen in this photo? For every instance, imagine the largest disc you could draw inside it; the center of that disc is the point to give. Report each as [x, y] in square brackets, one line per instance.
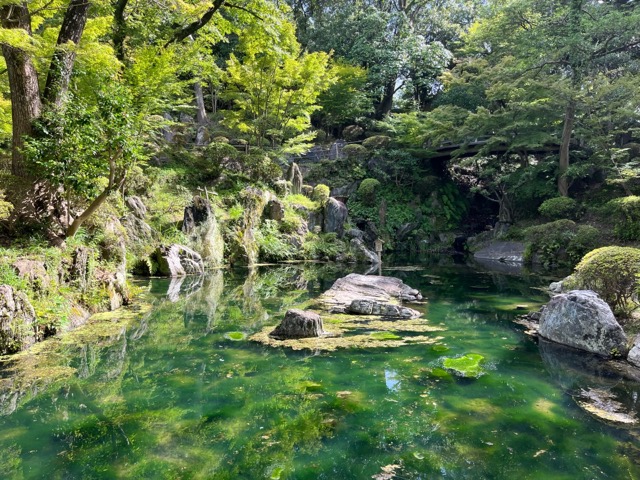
[23, 84]
[119, 29]
[567, 131]
[64, 56]
[114, 184]
[386, 104]
[201, 114]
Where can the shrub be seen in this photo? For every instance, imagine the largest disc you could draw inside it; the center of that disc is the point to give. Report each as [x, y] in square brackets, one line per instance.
[612, 272]
[559, 243]
[352, 132]
[354, 150]
[559, 207]
[368, 189]
[625, 212]
[321, 193]
[5, 207]
[376, 142]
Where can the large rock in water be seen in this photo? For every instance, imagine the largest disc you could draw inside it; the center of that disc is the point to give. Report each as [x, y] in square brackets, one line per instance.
[383, 290]
[177, 260]
[17, 319]
[299, 324]
[335, 214]
[582, 320]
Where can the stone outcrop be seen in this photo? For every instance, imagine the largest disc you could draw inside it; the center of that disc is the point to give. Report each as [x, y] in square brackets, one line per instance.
[138, 231]
[177, 260]
[581, 319]
[386, 310]
[363, 254]
[136, 206]
[204, 231]
[378, 289]
[335, 215]
[294, 176]
[196, 214]
[274, 210]
[34, 271]
[17, 321]
[242, 245]
[299, 324]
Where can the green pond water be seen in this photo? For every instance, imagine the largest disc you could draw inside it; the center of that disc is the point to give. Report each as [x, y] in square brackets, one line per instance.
[181, 392]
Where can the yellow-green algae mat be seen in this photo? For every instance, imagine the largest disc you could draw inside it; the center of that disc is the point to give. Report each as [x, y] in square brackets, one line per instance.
[357, 331]
[48, 361]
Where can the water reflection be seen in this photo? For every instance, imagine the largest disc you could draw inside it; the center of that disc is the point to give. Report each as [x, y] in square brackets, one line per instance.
[173, 395]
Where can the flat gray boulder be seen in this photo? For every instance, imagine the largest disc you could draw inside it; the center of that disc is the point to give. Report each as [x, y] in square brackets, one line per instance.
[386, 310]
[380, 289]
[580, 319]
[299, 324]
[512, 252]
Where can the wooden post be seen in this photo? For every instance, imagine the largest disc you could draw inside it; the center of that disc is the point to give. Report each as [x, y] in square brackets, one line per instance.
[378, 246]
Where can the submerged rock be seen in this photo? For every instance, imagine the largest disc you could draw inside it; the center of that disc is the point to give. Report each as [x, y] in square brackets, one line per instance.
[604, 405]
[17, 321]
[386, 310]
[177, 260]
[299, 324]
[379, 289]
[582, 320]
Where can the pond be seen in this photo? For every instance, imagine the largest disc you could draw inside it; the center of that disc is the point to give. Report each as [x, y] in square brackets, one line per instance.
[181, 392]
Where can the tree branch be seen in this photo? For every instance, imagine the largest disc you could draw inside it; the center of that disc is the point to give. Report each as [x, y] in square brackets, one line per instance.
[193, 27]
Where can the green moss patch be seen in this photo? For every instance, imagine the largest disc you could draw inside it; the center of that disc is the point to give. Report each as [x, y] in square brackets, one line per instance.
[384, 336]
[467, 366]
[235, 336]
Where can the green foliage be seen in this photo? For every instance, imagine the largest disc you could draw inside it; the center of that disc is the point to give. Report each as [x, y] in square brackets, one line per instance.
[5, 207]
[355, 151]
[323, 245]
[321, 193]
[376, 142]
[279, 114]
[273, 245]
[368, 189]
[626, 215]
[558, 208]
[302, 201]
[346, 100]
[560, 243]
[612, 272]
